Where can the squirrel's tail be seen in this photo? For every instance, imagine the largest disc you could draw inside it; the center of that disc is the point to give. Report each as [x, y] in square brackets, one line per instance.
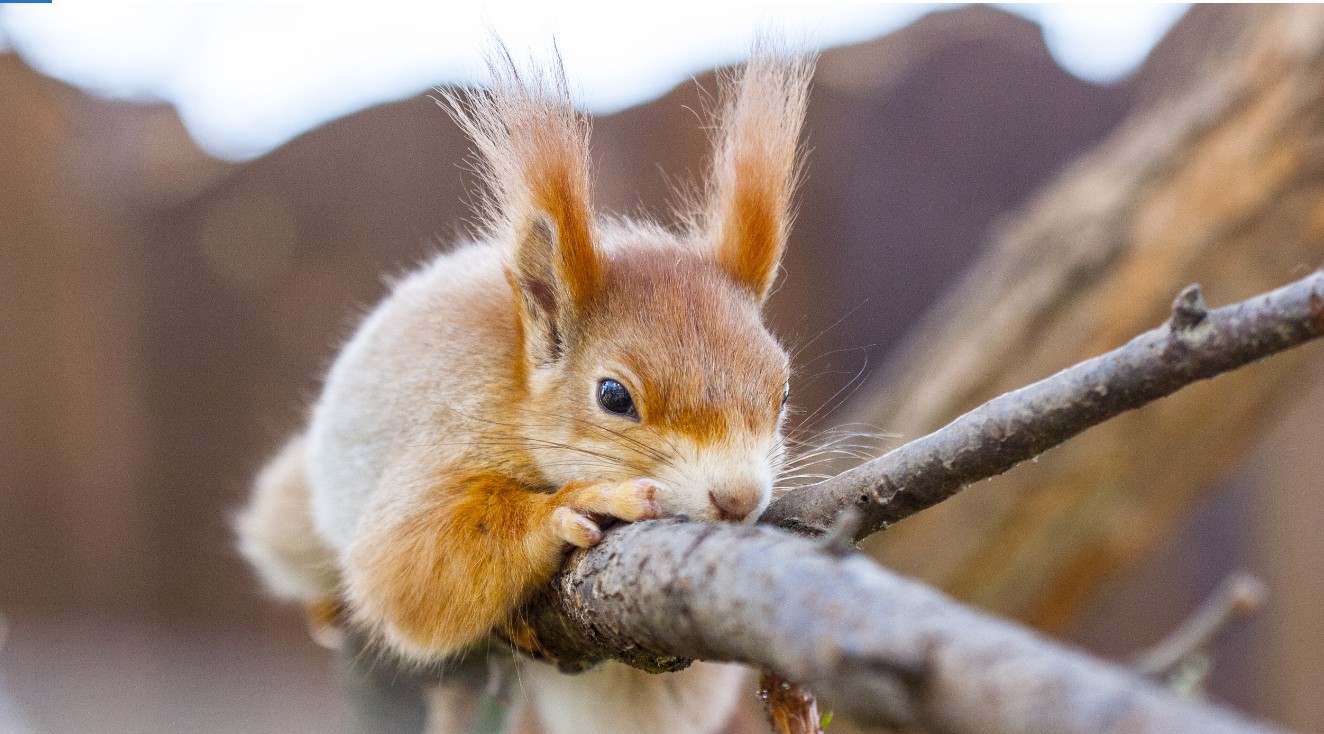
[277, 535]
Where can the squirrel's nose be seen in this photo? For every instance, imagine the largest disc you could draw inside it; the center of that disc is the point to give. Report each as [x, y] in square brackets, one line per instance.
[735, 506]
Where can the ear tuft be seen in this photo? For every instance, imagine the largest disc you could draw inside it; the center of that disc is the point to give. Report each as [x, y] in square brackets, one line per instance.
[756, 165]
[533, 158]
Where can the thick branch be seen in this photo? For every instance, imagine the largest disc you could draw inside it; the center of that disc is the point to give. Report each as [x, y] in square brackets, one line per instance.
[885, 649]
[880, 647]
[1194, 345]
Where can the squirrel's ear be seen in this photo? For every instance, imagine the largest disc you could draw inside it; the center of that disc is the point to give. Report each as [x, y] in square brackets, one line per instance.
[553, 276]
[533, 155]
[755, 166]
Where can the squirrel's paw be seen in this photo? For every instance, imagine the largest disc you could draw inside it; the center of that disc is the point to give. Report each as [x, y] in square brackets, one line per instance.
[629, 501]
[576, 529]
[633, 500]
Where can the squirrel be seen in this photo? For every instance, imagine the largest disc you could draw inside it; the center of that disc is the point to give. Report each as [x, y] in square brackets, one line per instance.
[562, 370]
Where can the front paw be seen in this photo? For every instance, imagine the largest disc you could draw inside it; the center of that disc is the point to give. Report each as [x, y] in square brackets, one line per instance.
[576, 528]
[635, 500]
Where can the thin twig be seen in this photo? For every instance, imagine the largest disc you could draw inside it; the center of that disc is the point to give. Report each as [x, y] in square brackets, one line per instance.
[1240, 595]
[1196, 344]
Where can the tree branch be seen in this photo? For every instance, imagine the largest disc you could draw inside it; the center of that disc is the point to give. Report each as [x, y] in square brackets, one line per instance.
[1214, 178]
[1195, 344]
[881, 648]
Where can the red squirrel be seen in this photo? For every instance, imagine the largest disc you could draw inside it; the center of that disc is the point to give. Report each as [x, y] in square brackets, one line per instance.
[563, 368]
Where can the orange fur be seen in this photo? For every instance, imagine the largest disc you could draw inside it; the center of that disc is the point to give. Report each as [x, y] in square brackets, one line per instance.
[756, 168]
[533, 150]
[728, 382]
[486, 535]
[459, 449]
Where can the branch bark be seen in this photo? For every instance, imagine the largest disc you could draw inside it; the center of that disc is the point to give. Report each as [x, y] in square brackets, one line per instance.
[1195, 344]
[888, 650]
[882, 648]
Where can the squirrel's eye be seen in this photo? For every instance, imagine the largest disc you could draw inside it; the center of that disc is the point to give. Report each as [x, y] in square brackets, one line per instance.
[786, 394]
[614, 398]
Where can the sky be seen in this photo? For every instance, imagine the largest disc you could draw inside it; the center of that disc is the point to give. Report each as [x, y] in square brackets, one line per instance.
[248, 77]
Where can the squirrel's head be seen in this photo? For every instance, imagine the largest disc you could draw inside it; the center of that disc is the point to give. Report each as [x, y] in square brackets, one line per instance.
[667, 372]
[643, 351]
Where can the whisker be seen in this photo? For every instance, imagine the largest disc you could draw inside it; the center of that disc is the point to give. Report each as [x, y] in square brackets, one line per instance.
[837, 398]
[812, 452]
[822, 460]
[824, 355]
[591, 458]
[529, 444]
[624, 440]
[805, 475]
[800, 347]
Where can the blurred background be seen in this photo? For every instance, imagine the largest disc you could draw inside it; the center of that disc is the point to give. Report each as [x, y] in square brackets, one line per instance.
[197, 203]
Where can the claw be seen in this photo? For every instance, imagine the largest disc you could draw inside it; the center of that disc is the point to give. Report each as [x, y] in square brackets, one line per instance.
[650, 509]
[577, 529]
[635, 500]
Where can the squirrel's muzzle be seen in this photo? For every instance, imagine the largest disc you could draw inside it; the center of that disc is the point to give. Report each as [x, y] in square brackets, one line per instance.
[736, 505]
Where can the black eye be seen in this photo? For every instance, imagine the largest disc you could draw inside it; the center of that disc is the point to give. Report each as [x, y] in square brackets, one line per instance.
[614, 398]
[786, 394]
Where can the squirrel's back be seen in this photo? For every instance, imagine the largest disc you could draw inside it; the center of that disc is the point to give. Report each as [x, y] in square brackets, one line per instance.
[438, 350]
